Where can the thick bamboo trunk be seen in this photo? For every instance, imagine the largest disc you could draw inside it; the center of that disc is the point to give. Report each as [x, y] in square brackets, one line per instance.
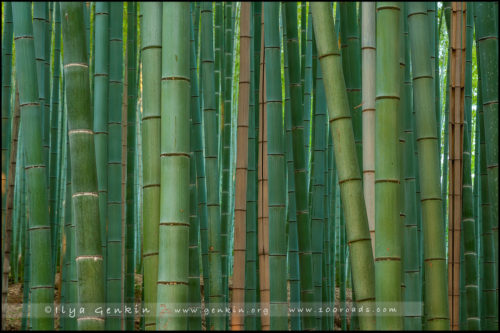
[357, 232]
[490, 278]
[487, 40]
[85, 198]
[41, 279]
[173, 259]
[456, 132]
[388, 242]
[241, 170]
[436, 306]
[151, 78]
[469, 220]
[276, 168]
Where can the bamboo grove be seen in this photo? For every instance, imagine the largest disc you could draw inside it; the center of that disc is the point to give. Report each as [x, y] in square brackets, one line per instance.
[250, 165]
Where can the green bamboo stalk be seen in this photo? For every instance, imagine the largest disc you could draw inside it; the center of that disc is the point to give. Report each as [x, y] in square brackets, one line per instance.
[293, 242]
[307, 81]
[114, 276]
[436, 301]
[411, 255]
[86, 21]
[9, 207]
[368, 52]
[101, 95]
[174, 156]
[63, 144]
[72, 296]
[40, 26]
[226, 111]
[21, 239]
[151, 53]
[210, 129]
[218, 32]
[388, 242]
[54, 115]
[131, 152]
[351, 65]
[318, 193]
[41, 280]
[250, 322]
[332, 221]
[6, 107]
[201, 181]
[303, 46]
[6, 94]
[299, 161]
[477, 216]
[26, 254]
[276, 168]
[357, 232]
[14, 254]
[487, 37]
[470, 278]
[431, 38]
[490, 277]
[83, 174]
[194, 292]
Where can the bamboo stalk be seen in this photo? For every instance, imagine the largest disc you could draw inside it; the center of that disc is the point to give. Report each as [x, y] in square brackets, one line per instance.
[215, 293]
[151, 66]
[101, 95]
[241, 169]
[173, 236]
[9, 205]
[293, 241]
[130, 159]
[388, 242]
[194, 288]
[456, 131]
[251, 280]
[300, 163]
[114, 248]
[357, 232]
[263, 188]
[436, 305]
[487, 37]
[368, 50]
[84, 174]
[41, 279]
[6, 98]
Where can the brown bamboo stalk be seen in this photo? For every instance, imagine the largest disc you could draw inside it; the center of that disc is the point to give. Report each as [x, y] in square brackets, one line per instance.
[237, 319]
[456, 132]
[263, 202]
[9, 202]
